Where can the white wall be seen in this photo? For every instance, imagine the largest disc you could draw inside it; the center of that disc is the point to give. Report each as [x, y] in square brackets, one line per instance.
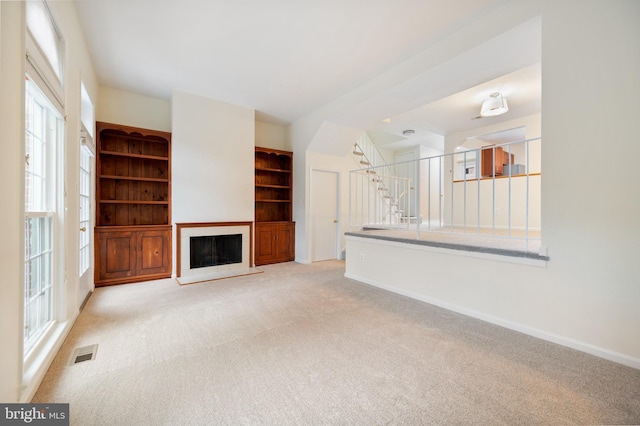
[212, 167]
[299, 136]
[132, 109]
[270, 135]
[14, 386]
[590, 220]
[587, 295]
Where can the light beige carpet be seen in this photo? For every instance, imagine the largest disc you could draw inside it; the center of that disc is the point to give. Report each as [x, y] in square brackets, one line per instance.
[302, 345]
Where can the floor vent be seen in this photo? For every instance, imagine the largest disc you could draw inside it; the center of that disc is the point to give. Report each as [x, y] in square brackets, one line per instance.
[85, 353]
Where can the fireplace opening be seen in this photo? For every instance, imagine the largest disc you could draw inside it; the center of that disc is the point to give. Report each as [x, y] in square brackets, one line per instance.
[213, 250]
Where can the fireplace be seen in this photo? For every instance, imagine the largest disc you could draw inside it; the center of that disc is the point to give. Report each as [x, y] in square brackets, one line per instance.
[214, 250]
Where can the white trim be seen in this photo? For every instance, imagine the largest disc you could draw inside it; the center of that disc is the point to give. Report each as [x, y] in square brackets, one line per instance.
[531, 331]
[33, 214]
[86, 141]
[35, 370]
[34, 71]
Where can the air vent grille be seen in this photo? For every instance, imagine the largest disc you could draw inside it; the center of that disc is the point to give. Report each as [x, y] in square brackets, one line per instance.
[85, 353]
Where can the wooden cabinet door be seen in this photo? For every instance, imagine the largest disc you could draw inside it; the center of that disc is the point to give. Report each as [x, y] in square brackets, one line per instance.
[284, 242]
[275, 242]
[491, 164]
[116, 255]
[154, 252]
[265, 248]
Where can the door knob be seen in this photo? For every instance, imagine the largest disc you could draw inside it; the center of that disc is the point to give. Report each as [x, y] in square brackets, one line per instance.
[335, 220]
[83, 229]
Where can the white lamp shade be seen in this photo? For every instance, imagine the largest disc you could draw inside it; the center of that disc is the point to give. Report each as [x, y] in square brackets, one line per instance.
[496, 105]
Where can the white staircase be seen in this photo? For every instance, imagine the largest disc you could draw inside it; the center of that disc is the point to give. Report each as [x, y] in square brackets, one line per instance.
[388, 188]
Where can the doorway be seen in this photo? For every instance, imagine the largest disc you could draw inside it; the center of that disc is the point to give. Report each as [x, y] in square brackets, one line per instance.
[324, 207]
[85, 218]
[407, 168]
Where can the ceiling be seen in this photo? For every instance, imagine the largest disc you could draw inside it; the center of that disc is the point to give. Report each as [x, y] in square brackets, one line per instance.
[461, 111]
[287, 58]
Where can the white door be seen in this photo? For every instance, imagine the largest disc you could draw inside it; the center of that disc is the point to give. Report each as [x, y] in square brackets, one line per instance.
[85, 240]
[324, 215]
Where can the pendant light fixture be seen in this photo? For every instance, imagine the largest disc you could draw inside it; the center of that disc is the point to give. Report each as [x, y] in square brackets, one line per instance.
[495, 105]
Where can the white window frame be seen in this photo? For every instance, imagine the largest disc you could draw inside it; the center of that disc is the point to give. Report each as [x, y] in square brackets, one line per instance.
[85, 213]
[46, 72]
[50, 135]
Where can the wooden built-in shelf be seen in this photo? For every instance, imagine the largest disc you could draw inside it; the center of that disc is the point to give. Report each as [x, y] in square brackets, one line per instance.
[133, 202]
[273, 186]
[130, 155]
[133, 232]
[275, 230]
[264, 169]
[142, 179]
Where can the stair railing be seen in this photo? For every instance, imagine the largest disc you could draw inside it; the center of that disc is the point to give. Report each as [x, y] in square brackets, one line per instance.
[368, 152]
[378, 199]
[488, 191]
[388, 194]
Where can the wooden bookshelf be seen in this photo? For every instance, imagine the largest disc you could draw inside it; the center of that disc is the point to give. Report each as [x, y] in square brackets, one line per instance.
[275, 230]
[133, 204]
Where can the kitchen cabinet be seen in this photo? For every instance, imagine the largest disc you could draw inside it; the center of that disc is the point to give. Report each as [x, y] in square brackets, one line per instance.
[492, 161]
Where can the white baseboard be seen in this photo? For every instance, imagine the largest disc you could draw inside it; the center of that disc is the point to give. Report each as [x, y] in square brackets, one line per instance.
[531, 331]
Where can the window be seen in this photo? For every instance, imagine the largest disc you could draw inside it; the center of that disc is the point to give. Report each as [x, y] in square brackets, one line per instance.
[85, 210]
[44, 50]
[43, 135]
[45, 33]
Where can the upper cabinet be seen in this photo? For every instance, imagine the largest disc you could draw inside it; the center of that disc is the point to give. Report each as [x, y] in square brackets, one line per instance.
[493, 160]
